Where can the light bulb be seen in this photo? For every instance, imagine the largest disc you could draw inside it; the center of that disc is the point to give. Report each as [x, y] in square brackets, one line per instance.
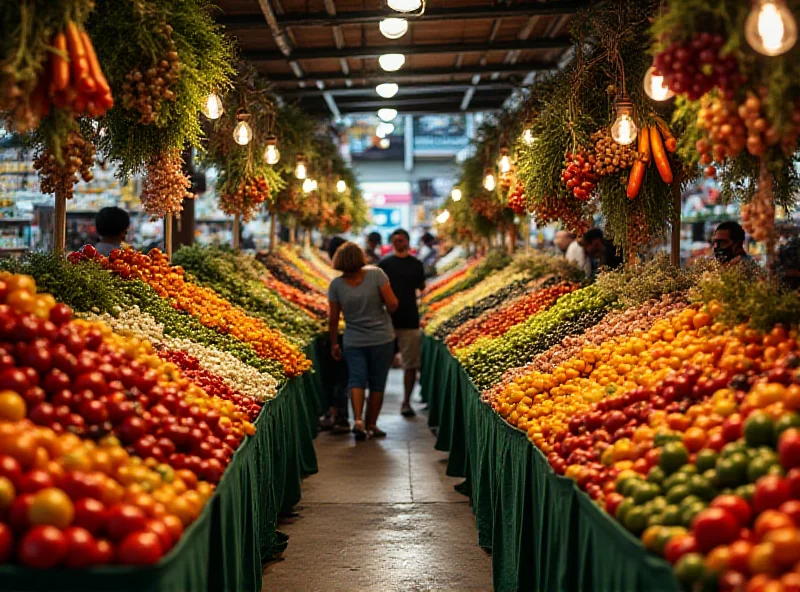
[213, 107]
[624, 129]
[300, 169]
[393, 28]
[505, 164]
[384, 129]
[387, 114]
[654, 86]
[443, 217]
[341, 186]
[527, 136]
[308, 186]
[387, 90]
[242, 133]
[272, 155]
[404, 5]
[314, 185]
[384, 143]
[391, 62]
[489, 182]
[456, 194]
[770, 28]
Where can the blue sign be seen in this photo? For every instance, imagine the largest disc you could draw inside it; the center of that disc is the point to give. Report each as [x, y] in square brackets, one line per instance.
[387, 217]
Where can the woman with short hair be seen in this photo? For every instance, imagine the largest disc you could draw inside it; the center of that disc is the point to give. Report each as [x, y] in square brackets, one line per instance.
[363, 294]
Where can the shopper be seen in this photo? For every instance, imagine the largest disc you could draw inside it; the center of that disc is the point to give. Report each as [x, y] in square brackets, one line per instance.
[373, 248]
[429, 254]
[363, 294]
[728, 243]
[406, 275]
[336, 418]
[576, 253]
[112, 226]
[563, 240]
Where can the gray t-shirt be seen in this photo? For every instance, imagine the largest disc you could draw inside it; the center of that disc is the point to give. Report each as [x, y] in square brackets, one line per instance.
[367, 322]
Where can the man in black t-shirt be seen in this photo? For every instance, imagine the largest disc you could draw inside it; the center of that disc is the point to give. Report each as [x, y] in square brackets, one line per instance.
[406, 276]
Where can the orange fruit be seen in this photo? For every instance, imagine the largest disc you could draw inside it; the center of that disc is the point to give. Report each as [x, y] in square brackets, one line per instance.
[12, 406]
[51, 506]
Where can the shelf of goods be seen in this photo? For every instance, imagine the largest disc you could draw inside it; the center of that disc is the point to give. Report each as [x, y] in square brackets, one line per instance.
[151, 427]
[638, 433]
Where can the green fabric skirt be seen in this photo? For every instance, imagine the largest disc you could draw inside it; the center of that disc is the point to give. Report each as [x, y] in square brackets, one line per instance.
[543, 532]
[226, 547]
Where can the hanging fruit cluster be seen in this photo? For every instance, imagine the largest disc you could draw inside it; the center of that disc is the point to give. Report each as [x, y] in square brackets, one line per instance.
[573, 216]
[698, 66]
[517, 200]
[59, 173]
[578, 175]
[609, 157]
[166, 185]
[758, 216]
[488, 207]
[71, 79]
[247, 198]
[146, 91]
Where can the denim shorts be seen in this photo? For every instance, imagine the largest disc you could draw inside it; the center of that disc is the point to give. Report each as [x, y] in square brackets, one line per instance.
[369, 366]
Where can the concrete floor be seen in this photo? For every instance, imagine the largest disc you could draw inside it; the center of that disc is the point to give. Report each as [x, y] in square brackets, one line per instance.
[381, 516]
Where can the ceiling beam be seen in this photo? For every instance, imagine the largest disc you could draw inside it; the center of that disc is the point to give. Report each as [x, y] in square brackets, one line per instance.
[442, 108]
[378, 76]
[414, 49]
[281, 39]
[398, 104]
[407, 90]
[325, 19]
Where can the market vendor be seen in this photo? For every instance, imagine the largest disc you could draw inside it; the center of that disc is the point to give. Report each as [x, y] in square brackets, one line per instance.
[728, 243]
[112, 225]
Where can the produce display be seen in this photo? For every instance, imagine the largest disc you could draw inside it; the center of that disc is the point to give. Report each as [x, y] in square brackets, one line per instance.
[671, 398]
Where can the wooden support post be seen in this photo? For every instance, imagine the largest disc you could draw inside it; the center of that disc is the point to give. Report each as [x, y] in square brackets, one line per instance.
[293, 234]
[307, 240]
[675, 242]
[272, 231]
[60, 224]
[237, 232]
[168, 236]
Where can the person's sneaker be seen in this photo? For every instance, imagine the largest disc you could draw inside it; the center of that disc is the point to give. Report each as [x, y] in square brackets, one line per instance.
[341, 428]
[407, 411]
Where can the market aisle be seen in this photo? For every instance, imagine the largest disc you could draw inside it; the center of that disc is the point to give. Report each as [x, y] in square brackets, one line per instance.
[381, 516]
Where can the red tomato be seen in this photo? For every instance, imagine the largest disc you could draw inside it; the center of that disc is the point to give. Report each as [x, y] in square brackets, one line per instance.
[613, 500]
[164, 535]
[175, 526]
[6, 543]
[737, 506]
[678, 546]
[18, 513]
[90, 514]
[732, 427]
[731, 581]
[139, 548]
[771, 520]
[789, 448]
[791, 509]
[793, 477]
[124, 519]
[104, 552]
[10, 467]
[771, 491]
[81, 547]
[713, 527]
[791, 582]
[34, 481]
[43, 547]
[740, 556]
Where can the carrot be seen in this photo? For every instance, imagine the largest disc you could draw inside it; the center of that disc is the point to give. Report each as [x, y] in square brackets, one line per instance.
[670, 142]
[94, 66]
[59, 67]
[660, 156]
[40, 105]
[637, 171]
[80, 64]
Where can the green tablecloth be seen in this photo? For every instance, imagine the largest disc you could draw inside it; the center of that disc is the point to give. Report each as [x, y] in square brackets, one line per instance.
[543, 532]
[227, 545]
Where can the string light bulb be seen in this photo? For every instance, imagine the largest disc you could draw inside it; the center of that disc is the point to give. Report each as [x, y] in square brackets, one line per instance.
[392, 62]
[384, 143]
[242, 133]
[387, 90]
[212, 108]
[654, 86]
[341, 186]
[505, 162]
[393, 28]
[489, 182]
[308, 186]
[387, 114]
[384, 129]
[456, 194]
[404, 5]
[770, 28]
[443, 217]
[301, 167]
[624, 129]
[527, 136]
[272, 155]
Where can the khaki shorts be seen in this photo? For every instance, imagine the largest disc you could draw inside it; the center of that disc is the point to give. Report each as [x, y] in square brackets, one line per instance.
[409, 343]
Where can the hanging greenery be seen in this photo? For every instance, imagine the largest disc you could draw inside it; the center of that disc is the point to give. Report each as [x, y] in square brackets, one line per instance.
[162, 59]
[245, 181]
